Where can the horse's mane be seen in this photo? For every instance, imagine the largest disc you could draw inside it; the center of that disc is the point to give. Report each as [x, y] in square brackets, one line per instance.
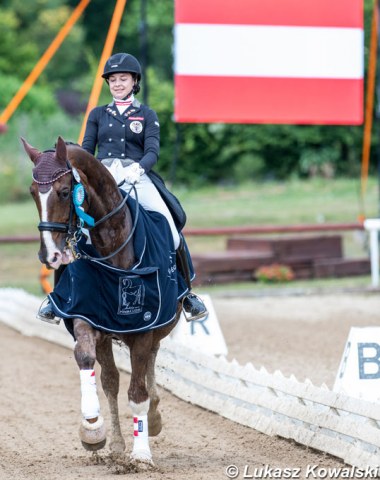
[77, 154]
[90, 165]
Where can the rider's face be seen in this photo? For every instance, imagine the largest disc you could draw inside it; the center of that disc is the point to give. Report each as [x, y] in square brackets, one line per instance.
[120, 84]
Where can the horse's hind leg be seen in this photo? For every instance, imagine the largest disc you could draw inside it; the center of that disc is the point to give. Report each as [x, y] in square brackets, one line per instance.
[110, 382]
[154, 416]
[140, 350]
[92, 431]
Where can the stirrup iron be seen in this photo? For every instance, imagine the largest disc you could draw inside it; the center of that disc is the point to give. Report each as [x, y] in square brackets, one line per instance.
[200, 312]
[46, 314]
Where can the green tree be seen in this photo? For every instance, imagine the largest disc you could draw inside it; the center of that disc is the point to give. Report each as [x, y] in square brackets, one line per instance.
[195, 153]
[19, 61]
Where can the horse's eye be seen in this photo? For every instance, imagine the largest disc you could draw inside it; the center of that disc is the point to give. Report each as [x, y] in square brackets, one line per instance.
[64, 193]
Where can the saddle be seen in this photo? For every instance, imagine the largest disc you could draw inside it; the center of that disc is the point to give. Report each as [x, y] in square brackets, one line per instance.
[172, 202]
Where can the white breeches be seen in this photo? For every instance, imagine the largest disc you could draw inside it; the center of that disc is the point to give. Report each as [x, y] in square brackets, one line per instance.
[147, 193]
[150, 199]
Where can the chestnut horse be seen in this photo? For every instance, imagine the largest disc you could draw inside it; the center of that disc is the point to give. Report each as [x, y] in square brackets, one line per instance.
[53, 197]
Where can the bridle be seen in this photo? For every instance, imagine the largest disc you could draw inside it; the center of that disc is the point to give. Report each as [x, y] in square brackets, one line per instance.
[75, 231]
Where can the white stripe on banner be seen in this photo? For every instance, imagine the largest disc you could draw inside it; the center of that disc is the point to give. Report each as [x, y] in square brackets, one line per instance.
[269, 51]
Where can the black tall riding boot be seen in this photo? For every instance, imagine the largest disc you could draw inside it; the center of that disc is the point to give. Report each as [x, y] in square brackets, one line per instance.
[46, 312]
[191, 303]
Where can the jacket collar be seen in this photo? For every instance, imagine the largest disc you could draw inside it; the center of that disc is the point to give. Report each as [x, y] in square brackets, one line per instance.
[135, 104]
[113, 110]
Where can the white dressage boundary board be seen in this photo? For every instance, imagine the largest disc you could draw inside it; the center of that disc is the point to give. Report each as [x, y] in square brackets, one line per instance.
[359, 371]
[202, 335]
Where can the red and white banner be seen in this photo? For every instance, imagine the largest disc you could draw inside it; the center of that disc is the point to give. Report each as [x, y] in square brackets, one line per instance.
[269, 61]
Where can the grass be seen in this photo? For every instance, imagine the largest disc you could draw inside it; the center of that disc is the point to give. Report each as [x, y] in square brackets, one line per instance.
[285, 203]
[292, 202]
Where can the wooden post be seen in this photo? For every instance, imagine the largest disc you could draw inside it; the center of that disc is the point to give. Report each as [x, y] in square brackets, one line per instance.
[371, 79]
[41, 64]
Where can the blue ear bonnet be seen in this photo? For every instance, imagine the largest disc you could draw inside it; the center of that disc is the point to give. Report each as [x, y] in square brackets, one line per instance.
[79, 195]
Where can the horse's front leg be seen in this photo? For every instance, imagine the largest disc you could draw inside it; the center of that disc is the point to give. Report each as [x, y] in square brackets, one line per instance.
[140, 350]
[92, 431]
[110, 378]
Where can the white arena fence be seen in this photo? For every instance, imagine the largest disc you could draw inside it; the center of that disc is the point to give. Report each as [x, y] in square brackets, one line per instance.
[316, 417]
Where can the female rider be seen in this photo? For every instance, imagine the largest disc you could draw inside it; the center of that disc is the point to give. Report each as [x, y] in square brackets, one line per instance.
[126, 135]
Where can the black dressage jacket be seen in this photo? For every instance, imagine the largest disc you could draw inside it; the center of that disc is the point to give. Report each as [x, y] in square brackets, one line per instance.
[135, 134]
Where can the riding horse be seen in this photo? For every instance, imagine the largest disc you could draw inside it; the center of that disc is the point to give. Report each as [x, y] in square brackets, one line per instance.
[55, 174]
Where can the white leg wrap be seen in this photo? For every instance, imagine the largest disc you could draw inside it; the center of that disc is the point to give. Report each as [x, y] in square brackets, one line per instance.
[141, 450]
[90, 402]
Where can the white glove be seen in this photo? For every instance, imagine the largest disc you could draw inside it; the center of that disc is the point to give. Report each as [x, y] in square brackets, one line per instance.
[133, 172]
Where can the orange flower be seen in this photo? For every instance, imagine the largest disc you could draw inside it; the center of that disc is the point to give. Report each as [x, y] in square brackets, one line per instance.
[274, 273]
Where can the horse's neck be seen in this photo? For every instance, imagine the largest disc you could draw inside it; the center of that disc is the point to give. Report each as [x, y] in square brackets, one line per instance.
[110, 235]
[104, 197]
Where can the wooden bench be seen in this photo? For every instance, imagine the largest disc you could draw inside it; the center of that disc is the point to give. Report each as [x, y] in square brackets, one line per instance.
[319, 256]
[323, 246]
[228, 266]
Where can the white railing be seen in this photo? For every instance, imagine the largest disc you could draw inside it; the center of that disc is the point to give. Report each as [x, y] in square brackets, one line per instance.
[317, 417]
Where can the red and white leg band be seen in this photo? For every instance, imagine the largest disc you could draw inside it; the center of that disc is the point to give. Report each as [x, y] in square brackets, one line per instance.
[140, 432]
[140, 426]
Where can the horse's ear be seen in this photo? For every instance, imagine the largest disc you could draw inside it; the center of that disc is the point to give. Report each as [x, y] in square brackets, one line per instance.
[31, 151]
[61, 151]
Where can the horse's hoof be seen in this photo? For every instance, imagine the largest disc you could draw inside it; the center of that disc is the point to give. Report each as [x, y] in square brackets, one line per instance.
[117, 446]
[154, 424]
[93, 435]
[142, 461]
[142, 458]
[93, 447]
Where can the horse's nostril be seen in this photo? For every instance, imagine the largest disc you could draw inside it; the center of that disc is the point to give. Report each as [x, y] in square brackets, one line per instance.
[55, 257]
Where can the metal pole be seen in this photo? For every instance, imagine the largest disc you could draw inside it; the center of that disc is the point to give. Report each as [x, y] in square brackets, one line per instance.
[373, 226]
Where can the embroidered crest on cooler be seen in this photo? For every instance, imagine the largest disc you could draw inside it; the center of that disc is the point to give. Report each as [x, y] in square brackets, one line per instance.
[131, 295]
[136, 126]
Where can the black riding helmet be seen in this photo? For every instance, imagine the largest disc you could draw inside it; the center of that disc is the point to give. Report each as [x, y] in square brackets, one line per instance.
[123, 63]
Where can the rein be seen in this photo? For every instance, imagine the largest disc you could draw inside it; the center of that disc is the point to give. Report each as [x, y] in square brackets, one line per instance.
[75, 232]
[85, 256]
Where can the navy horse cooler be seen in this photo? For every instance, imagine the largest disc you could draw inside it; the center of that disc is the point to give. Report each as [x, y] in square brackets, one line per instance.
[114, 300]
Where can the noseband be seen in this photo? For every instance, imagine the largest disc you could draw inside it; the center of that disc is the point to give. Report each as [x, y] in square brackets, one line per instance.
[53, 227]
